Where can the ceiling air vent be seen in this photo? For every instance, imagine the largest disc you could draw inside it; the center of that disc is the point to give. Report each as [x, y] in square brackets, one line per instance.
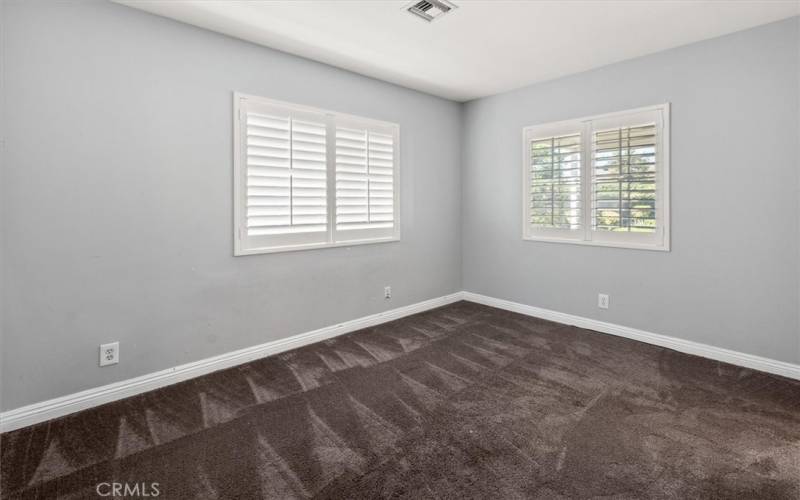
[430, 10]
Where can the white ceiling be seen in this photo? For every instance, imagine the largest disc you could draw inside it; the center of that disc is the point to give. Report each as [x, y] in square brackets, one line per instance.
[482, 48]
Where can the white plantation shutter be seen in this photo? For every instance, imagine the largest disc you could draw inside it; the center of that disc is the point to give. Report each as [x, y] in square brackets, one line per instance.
[285, 176]
[365, 183]
[303, 181]
[286, 186]
[352, 178]
[555, 173]
[624, 179]
[553, 191]
[629, 181]
[619, 162]
[381, 180]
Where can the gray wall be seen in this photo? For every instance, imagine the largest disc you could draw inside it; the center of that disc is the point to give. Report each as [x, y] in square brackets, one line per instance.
[731, 279]
[117, 199]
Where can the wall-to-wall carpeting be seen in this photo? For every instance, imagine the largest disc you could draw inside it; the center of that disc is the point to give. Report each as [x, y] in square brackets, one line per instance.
[464, 401]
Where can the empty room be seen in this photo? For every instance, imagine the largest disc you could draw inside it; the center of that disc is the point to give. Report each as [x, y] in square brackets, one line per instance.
[429, 249]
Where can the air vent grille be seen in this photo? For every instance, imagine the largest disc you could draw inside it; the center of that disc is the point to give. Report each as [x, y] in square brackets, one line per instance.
[430, 10]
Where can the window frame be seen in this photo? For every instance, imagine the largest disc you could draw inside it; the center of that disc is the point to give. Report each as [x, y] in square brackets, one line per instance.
[659, 241]
[332, 120]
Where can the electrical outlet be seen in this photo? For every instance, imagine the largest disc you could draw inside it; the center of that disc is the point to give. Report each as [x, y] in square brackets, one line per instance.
[602, 301]
[109, 354]
[387, 292]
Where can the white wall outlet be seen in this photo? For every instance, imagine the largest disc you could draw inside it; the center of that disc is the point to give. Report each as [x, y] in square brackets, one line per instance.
[387, 292]
[109, 354]
[602, 301]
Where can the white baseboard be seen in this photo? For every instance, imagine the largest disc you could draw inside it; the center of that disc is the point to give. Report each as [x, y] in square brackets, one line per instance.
[775, 367]
[71, 403]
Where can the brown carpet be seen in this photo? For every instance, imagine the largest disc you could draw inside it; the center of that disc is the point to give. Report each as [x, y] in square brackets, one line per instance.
[464, 401]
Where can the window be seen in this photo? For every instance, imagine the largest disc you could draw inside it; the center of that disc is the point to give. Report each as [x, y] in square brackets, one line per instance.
[308, 178]
[601, 180]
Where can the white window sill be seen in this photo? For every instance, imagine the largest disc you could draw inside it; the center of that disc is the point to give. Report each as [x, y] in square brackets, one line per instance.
[610, 244]
[314, 246]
